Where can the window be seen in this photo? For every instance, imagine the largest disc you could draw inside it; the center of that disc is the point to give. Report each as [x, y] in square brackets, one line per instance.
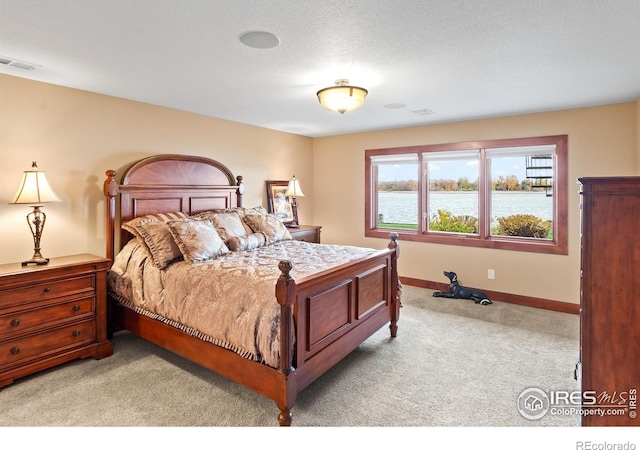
[504, 194]
[395, 195]
[452, 191]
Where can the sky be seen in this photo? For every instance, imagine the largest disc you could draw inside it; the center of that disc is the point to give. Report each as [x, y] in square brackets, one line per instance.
[445, 170]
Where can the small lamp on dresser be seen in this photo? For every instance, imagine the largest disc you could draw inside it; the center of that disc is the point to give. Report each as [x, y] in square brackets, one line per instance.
[35, 190]
[293, 191]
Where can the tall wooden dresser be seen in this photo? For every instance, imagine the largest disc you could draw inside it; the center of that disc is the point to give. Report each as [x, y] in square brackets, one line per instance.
[610, 300]
[51, 314]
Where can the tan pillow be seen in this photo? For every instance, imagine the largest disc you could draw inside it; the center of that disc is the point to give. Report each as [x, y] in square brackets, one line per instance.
[255, 211]
[160, 243]
[247, 242]
[229, 225]
[156, 238]
[197, 240]
[242, 212]
[270, 225]
[208, 215]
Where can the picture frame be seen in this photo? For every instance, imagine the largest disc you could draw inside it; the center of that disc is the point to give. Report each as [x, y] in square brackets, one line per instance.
[278, 203]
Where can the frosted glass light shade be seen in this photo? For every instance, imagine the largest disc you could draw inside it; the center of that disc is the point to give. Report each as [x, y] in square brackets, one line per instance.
[342, 98]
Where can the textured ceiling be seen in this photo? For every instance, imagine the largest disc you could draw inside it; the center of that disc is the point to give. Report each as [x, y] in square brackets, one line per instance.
[458, 59]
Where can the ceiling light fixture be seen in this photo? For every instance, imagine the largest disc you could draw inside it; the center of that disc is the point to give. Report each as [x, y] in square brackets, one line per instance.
[342, 97]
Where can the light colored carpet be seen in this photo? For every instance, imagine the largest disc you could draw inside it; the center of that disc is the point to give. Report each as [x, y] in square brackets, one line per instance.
[454, 363]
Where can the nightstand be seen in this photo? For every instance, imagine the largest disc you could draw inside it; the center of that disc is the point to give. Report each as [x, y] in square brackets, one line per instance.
[52, 314]
[307, 233]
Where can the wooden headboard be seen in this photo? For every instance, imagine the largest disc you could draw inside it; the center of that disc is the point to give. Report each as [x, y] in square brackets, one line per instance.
[168, 183]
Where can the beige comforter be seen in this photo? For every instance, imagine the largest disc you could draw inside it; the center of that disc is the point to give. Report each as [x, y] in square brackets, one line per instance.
[230, 300]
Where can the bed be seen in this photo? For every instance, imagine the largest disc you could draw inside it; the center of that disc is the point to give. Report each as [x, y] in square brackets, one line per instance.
[318, 302]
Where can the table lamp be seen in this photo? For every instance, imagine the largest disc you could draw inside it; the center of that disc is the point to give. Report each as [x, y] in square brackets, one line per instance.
[35, 190]
[293, 191]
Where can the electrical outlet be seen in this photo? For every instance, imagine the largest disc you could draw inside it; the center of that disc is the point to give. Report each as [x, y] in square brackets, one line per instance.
[491, 274]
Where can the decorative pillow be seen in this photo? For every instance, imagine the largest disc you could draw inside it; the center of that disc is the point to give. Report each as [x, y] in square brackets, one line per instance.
[270, 225]
[132, 225]
[255, 211]
[160, 243]
[197, 240]
[247, 242]
[155, 237]
[242, 212]
[229, 225]
[208, 215]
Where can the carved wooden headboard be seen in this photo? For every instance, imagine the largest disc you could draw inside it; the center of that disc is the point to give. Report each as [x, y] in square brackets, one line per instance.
[168, 183]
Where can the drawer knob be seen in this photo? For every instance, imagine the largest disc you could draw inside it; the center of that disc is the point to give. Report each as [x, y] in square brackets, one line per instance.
[15, 350]
[75, 308]
[47, 289]
[15, 322]
[76, 333]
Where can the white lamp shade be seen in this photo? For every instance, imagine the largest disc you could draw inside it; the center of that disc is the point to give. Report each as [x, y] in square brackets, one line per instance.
[293, 190]
[35, 189]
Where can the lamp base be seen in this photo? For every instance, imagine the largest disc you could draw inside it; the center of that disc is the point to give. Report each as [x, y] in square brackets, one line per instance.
[37, 259]
[38, 262]
[36, 225]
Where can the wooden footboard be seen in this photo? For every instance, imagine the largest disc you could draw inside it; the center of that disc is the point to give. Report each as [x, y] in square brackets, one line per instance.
[333, 313]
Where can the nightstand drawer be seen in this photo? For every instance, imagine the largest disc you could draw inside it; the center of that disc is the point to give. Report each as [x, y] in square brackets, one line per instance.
[306, 233]
[41, 317]
[43, 291]
[41, 344]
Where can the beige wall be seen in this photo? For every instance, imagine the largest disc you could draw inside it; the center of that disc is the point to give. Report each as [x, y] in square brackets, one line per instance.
[602, 142]
[75, 136]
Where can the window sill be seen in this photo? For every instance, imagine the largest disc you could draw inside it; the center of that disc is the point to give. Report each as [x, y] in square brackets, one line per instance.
[495, 243]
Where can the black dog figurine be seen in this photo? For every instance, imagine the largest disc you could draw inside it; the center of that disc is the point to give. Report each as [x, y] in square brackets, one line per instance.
[456, 290]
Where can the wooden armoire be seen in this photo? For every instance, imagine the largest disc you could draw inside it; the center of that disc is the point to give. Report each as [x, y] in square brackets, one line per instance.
[610, 299]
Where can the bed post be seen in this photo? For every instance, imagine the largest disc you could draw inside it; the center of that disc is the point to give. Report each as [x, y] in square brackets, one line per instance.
[396, 286]
[286, 387]
[110, 192]
[240, 190]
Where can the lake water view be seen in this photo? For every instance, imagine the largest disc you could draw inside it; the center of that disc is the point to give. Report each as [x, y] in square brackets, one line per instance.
[401, 207]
